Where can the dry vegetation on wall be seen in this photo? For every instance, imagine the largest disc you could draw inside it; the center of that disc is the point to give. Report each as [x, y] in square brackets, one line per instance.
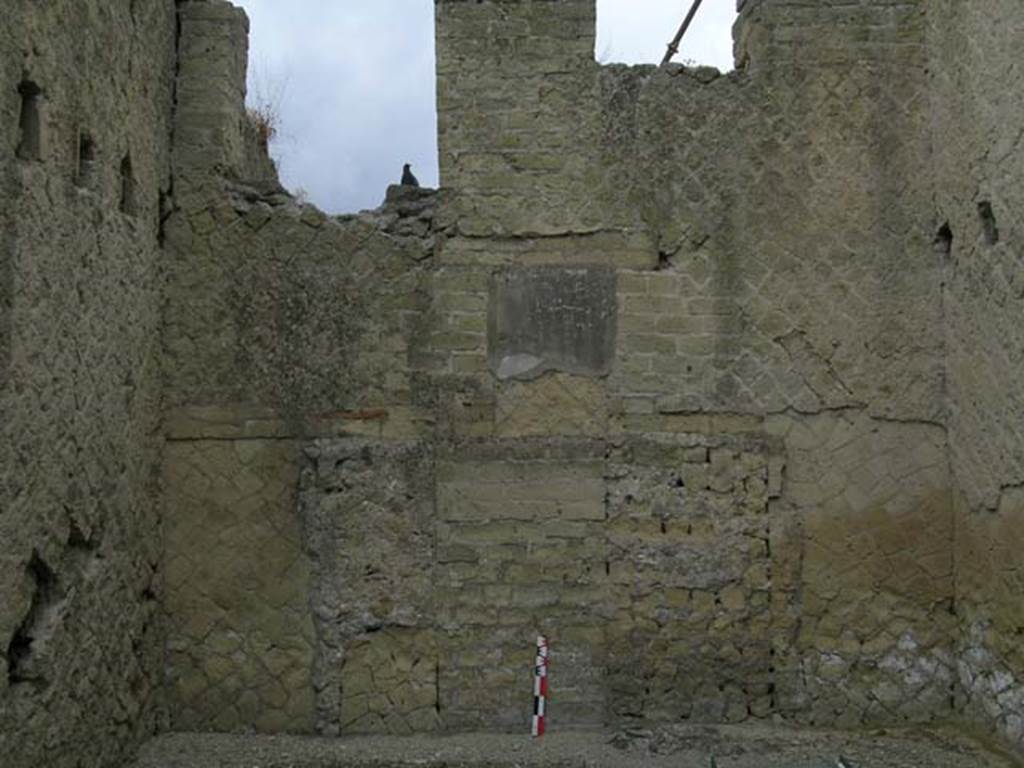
[266, 123]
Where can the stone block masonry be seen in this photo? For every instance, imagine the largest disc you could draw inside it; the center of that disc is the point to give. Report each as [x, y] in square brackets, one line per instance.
[440, 565]
[659, 374]
[711, 379]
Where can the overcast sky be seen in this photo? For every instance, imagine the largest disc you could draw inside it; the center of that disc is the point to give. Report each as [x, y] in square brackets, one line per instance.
[353, 82]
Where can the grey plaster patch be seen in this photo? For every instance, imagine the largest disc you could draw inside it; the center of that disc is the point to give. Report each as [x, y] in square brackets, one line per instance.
[551, 318]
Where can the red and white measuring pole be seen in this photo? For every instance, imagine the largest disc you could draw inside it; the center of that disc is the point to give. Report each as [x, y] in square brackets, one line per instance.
[540, 686]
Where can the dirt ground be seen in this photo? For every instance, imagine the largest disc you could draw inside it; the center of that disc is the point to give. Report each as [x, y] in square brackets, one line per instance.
[678, 747]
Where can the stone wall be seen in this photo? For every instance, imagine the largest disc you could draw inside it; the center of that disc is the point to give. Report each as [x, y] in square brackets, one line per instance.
[709, 378]
[826, 33]
[282, 326]
[660, 377]
[84, 141]
[976, 106]
[738, 208]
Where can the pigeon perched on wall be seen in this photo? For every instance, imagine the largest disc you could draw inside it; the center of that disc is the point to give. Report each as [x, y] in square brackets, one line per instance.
[408, 180]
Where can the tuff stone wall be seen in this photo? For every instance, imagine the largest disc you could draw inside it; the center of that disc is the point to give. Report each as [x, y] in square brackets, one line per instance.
[84, 141]
[710, 378]
[282, 325]
[979, 163]
[660, 376]
[735, 209]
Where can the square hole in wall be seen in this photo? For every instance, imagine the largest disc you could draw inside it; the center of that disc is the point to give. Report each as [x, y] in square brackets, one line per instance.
[128, 191]
[30, 122]
[85, 161]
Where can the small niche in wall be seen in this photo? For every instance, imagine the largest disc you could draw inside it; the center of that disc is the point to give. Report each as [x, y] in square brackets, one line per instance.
[30, 121]
[85, 163]
[38, 625]
[128, 205]
[989, 230]
[944, 240]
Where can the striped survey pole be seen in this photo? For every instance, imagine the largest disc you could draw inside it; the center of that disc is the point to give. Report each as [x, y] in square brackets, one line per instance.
[540, 686]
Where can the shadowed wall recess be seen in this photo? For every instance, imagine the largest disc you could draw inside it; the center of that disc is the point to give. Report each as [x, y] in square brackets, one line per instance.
[30, 121]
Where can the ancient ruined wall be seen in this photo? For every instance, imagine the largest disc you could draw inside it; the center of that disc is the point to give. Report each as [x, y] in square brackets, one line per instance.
[84, 141]
[669, 390]
[976, 106]
[282, 325]
[659, 373]
[512, 143]
[767, 276]
[272, 303]
[797, 278]
[664, 372]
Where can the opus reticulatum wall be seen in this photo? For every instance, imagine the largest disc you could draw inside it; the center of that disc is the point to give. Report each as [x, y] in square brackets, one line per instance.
[711, 379]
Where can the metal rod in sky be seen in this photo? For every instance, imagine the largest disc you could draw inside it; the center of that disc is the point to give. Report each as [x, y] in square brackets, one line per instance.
[673, 47]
